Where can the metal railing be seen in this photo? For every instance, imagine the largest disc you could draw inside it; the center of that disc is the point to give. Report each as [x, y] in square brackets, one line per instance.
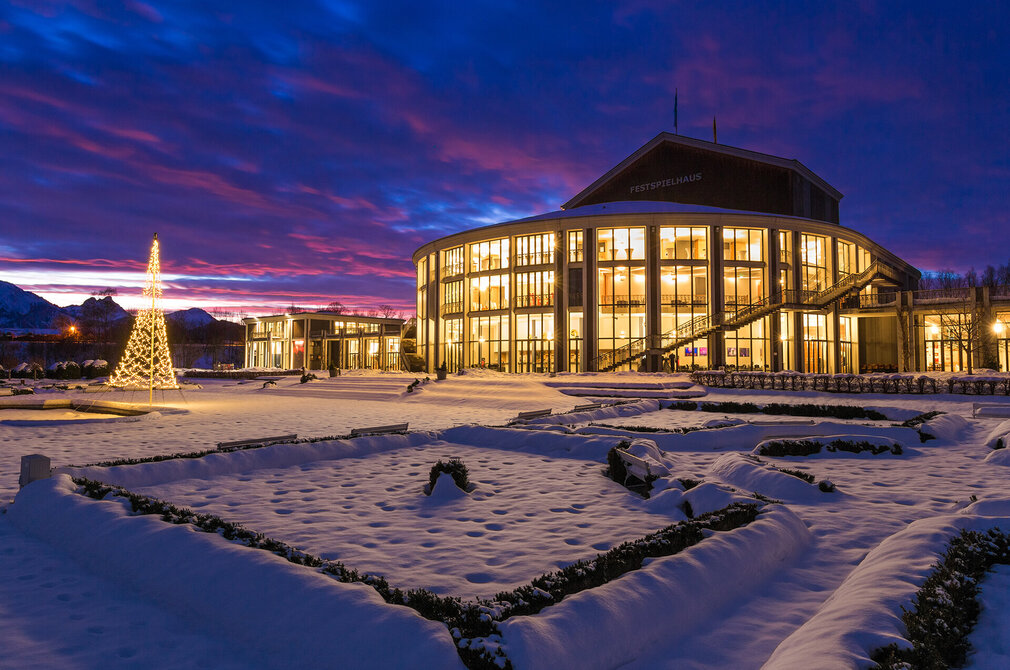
[534, 300]
[953, 294]
[489, 307]
[535, 258]
[451, 308]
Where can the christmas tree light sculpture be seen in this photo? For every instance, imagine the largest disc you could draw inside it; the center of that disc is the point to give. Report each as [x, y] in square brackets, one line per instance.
[147, 363]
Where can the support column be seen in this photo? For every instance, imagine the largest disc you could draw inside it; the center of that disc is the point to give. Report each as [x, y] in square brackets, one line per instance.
[836, 354]
[653, 301]
[717, 298]
[560, 303]
[590, 310]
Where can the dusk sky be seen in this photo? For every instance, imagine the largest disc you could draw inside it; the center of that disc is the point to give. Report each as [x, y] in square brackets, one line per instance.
[299, 152]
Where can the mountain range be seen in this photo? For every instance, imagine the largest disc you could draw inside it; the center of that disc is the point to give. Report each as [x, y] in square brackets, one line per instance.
[24, 312]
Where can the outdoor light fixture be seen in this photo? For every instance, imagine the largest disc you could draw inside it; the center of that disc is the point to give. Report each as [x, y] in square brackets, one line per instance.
[934, 330]
[997, 327]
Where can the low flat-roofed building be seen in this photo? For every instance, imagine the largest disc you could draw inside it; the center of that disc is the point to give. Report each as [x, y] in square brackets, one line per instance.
[319, 340]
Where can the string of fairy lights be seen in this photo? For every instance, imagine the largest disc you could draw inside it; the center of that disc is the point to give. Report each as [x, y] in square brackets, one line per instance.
[147, 362]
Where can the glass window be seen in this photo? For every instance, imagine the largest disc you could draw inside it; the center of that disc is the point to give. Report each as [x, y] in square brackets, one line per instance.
[683, 243]
[452, 297]
[534, 343]
[743, 244]
[489, 255]
[814, 262]
[742, 286]
[422, 271]
[785, 246]
[620, 244]
[489, 292]
[489, 342]
[535, 249]
[574, 246]
[846, 259]
[452, 262]
[815, 343]
[534, 289]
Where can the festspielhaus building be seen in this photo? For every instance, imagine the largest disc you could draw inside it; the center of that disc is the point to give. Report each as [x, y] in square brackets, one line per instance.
[687, 254]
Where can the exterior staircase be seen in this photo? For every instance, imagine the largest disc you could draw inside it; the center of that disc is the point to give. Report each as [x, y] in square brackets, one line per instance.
[705, 325]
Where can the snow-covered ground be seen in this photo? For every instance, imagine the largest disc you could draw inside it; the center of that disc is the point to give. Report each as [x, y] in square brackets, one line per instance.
[812, 582]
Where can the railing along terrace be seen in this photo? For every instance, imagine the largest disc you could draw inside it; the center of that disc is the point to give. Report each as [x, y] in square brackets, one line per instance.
[534, 300]
[1000, 292]
[535, 258]
[451, 308]
[451, 271]
[622, 354]
[671, 299]
[622, 301]
[489, 307]
[943, 294]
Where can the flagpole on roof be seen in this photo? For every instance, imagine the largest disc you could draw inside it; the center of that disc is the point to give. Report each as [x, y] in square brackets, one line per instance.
[675, 131]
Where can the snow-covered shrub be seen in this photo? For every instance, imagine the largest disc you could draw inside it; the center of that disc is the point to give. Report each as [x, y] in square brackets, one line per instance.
[811, 409]
[55, 371]
[946, 607]
[805, 476]
[731, 407]
[307, 377]
[4, 373]
[95, 368]
[455, 468]
[684, 405]
[71, 370]
[808, 447]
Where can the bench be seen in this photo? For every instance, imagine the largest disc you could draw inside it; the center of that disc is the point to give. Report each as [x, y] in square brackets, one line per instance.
[587, 407]
[977, 407]
[783, 422]
[380, 430]
[532, 414]
[634, 466]
[257, 441]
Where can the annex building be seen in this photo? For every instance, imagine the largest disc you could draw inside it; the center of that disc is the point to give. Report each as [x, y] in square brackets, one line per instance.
[693, 255]
[320, 340]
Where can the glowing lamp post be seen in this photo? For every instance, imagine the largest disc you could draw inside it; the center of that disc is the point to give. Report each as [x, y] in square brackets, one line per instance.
[147, 361]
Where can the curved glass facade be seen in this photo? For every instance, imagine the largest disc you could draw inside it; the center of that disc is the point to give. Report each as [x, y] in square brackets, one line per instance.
[632, 291]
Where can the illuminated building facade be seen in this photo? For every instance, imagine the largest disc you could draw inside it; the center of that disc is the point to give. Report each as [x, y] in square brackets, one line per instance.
[317, 340]
[687, 254]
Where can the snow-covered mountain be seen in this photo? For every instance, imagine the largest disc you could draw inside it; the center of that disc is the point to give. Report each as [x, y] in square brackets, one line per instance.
[23, 310]
[191, 318]
[93, 309]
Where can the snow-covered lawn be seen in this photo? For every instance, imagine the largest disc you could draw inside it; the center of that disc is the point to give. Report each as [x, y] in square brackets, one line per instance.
[540, 502]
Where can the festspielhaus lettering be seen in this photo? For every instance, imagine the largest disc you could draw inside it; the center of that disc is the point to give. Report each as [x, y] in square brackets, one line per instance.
[671, 181]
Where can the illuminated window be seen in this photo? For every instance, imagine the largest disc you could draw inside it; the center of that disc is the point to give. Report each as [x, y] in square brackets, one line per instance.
[683, 243]
[743, 244]
[620, 244]
[574, 246]
[489, 255]
[452, 262]
[534, 249]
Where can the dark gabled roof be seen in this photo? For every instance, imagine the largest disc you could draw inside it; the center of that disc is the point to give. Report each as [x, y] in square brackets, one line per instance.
[664, 137]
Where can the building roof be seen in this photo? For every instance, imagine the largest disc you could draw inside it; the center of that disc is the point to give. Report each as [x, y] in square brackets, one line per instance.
[711, 147]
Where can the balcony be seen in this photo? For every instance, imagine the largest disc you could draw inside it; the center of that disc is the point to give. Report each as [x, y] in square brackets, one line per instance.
[492, 306]
[537, 258]
[545, 300]
[451, 308]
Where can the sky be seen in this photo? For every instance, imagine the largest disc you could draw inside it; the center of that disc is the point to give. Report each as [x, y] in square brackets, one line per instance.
[297, 153]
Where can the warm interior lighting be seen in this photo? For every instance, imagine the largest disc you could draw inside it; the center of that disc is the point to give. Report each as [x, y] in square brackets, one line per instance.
[784, 337]
[996, 327]
[934, 330]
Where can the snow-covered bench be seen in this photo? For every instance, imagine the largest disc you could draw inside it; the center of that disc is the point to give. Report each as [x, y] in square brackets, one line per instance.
[634, 466]
[782, 422]
[380, 430]
[257, 440]
[989, 409]
[587, 407]
[532, 414]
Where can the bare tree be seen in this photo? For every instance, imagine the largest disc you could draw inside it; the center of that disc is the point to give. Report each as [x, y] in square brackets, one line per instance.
[962, 323]
[294, 309]
[387, 311]
[106, 292]
[336, 307]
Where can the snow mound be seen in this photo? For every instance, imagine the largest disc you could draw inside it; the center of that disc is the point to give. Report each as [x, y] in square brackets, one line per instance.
[751, 475]
[1000, 432]
[660, 463]
[651, 604]
[233, 592]
[610, 412]
[998, 457]
[946, 427]
[989, 507]
[723, 423]
[864, 613]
